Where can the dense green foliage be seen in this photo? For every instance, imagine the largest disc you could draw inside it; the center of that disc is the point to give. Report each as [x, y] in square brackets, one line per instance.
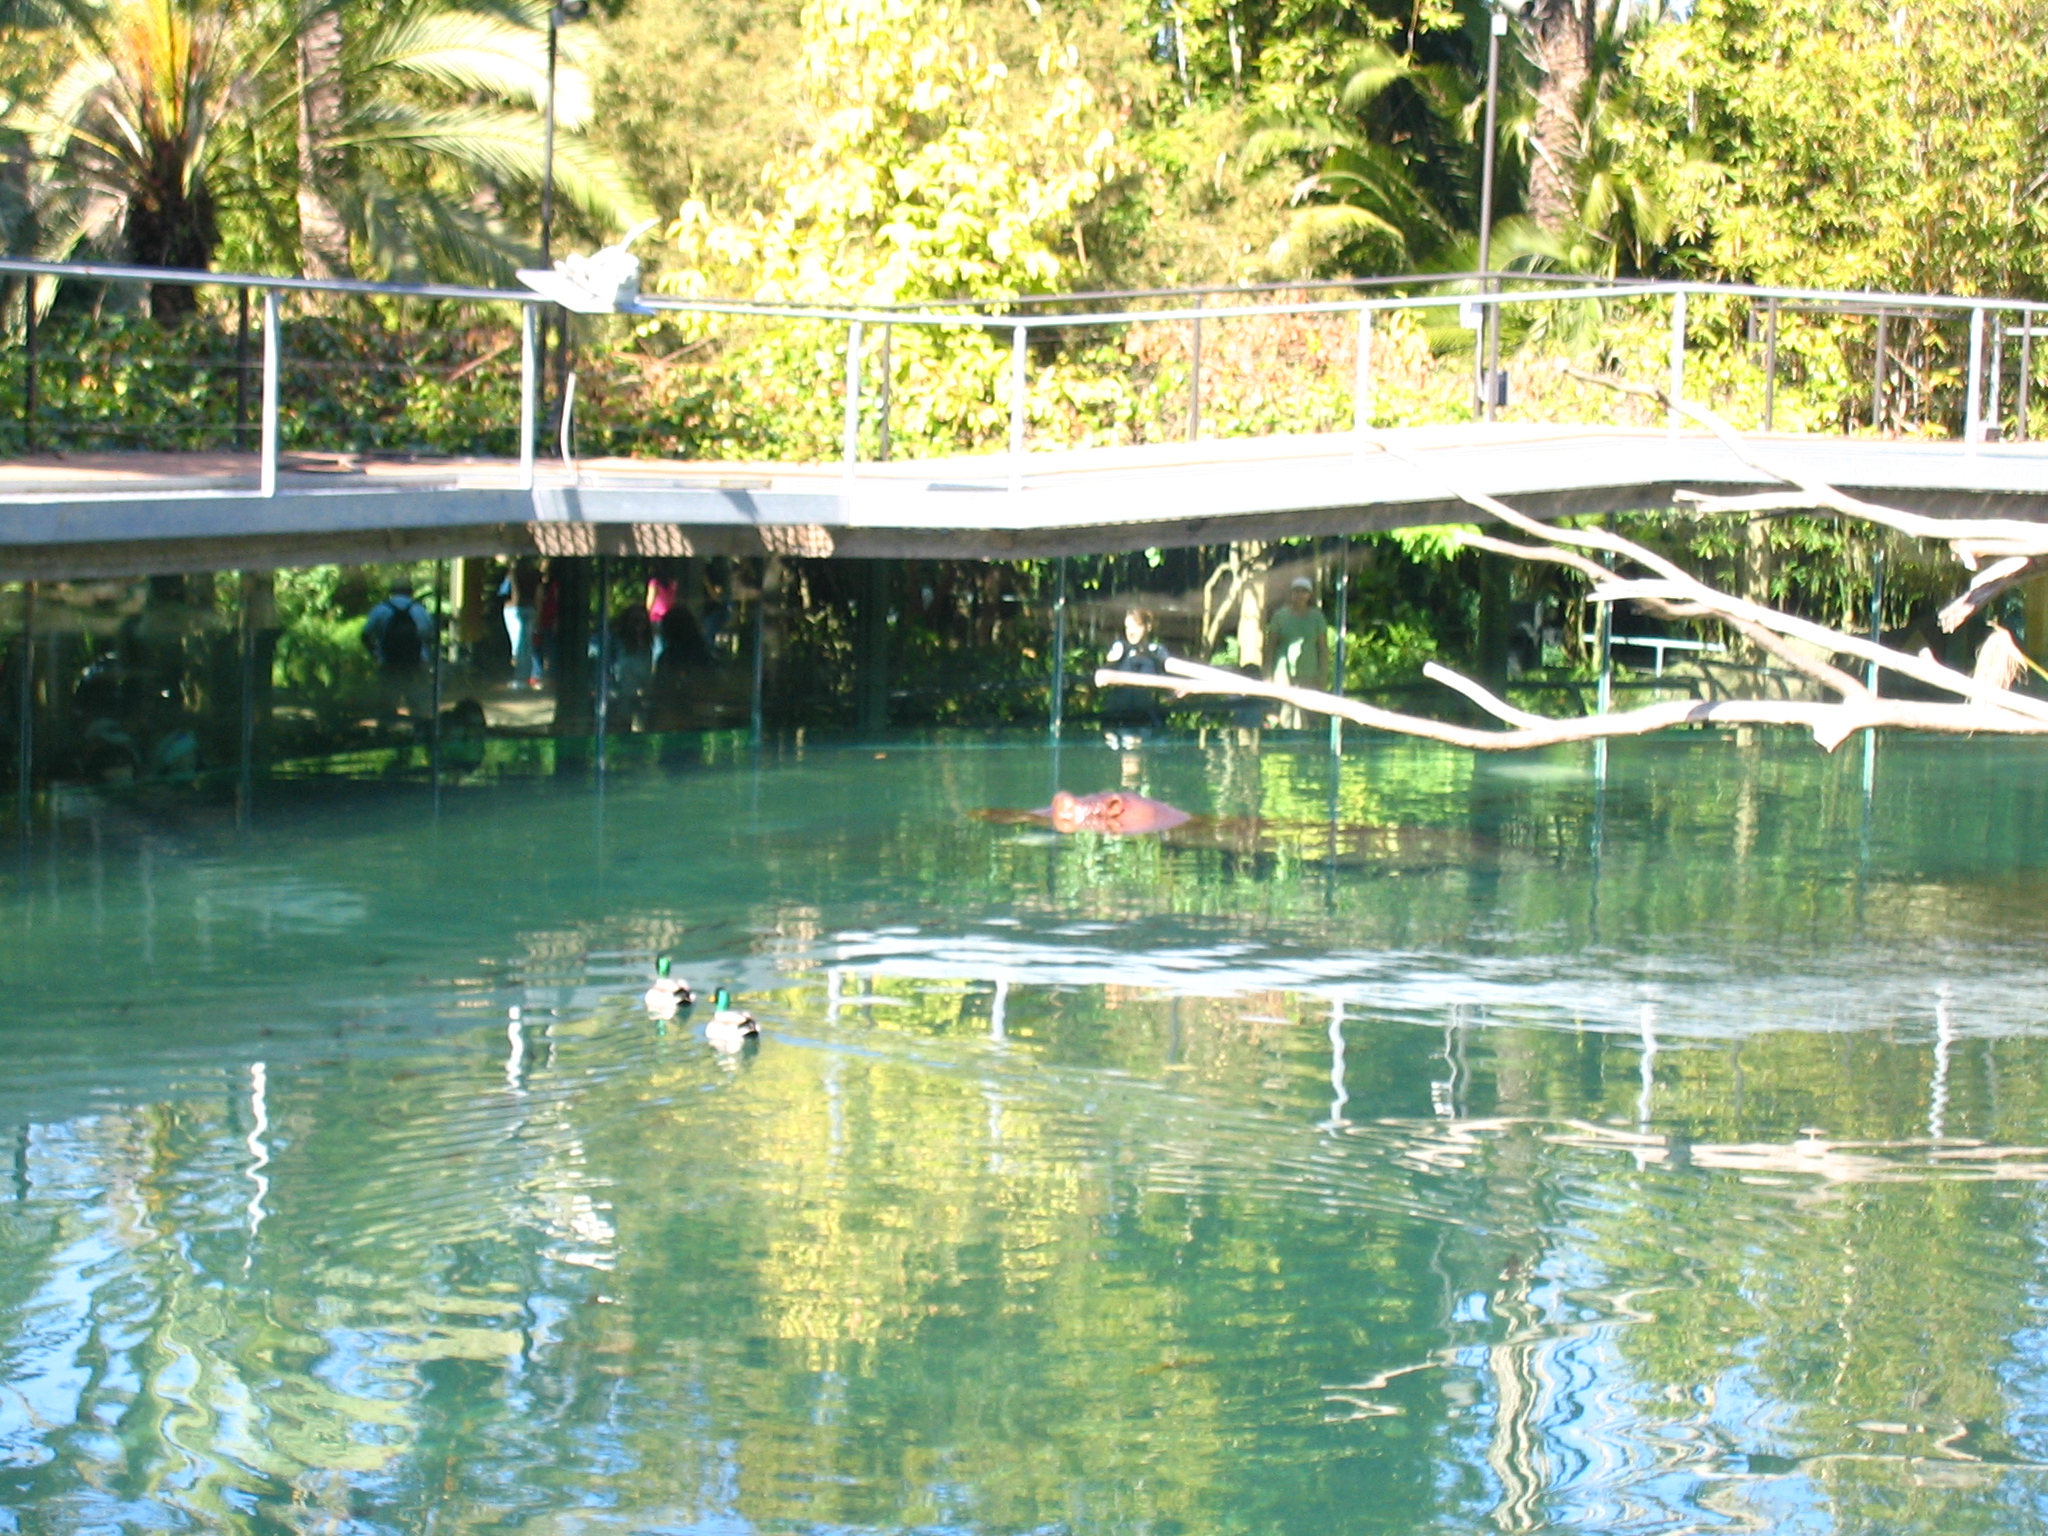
[912, 151]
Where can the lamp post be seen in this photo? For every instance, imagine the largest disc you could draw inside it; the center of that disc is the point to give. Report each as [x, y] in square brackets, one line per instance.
[561, 13]
[1489, 331]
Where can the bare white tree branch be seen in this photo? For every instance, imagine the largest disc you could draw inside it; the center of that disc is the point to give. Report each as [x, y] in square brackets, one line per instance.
[1641, 575]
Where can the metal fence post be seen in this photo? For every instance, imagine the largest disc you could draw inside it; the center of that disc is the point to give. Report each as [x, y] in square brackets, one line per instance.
[1994, 402]
[1195, 378]
[25, 713]
[2023, 406]
[1677, 359]
[1973, 394]
[1019, 357]
[271, 367]
[757, 703]
[604, 656]
[245, 733]
[529, 380]
[1343, 628]
[1770, 365]
[888, 396]
[241, 369]
[849, 445]
[1361, 384]
[1059, 651]
[29, 391]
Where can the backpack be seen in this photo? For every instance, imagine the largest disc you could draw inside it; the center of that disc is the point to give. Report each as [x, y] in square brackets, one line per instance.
[399, 648]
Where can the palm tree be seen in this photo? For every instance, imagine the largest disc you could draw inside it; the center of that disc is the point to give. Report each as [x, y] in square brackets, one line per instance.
[1387, 174]
[389, 146]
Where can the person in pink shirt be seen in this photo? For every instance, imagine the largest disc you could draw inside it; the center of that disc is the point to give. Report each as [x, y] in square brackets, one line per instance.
[661, 597]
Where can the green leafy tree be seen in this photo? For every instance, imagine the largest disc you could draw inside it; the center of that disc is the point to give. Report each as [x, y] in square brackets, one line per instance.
[1838, 144]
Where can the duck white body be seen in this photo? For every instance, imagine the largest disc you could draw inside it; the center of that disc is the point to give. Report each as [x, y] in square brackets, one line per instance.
[670, 994]
[730, 1028]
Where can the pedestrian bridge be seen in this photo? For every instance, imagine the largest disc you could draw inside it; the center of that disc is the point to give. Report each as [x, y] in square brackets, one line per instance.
[90, 514]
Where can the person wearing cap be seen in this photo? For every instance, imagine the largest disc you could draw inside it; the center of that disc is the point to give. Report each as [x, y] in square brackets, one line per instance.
[1298, 643]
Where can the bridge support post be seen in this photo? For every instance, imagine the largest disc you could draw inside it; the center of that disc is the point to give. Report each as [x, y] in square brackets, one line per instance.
[267, 474]
[574, 700]
[756, 704]
[1495, 591]
[1973, 394]
[871, 655]
[604, 656]
[1343, 631]
[25, 715]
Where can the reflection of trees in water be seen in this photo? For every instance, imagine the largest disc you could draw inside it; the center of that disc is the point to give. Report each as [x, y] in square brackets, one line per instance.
[836, 1286]
[1099, 1265]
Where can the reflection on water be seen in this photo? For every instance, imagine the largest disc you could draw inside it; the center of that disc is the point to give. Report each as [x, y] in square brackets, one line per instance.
[1678, 1172]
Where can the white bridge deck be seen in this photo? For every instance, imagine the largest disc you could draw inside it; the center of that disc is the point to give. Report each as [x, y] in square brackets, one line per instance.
[111, 514]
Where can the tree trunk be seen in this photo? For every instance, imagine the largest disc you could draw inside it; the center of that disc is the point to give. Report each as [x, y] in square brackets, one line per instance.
[1253, 563]
[1561, 42]
[1753, 576]
[171, 223]
[323, 238]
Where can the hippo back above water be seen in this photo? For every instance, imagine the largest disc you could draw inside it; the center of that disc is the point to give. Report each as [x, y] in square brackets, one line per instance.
[1115, 811]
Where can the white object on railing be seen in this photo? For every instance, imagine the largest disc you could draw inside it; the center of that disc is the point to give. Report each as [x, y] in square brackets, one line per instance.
[528, 389]
[1361, 384]
[606, 282]
[1973, 396]
[1677, 360]
[849, 448]
[1658, 643]
[1019, 356]
[569, 429]
[267, 474]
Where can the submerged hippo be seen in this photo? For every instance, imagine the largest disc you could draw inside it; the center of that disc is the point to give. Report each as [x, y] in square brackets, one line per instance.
[1116, 811]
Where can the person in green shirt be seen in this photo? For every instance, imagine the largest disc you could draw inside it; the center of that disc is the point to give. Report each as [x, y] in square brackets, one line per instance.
[1298, 645]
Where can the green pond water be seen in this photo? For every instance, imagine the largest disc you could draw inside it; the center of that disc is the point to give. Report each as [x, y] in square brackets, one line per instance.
[1439, 1146]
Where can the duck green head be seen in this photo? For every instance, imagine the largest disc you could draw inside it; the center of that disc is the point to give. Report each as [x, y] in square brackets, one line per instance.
[722, 999]
[661, 967]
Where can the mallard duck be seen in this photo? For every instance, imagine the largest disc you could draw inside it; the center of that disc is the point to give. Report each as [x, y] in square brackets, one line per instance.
[730, 1027]
[669, 993]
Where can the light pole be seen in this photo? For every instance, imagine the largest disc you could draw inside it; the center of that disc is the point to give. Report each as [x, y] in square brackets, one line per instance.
[1488, 340]
[562, 12]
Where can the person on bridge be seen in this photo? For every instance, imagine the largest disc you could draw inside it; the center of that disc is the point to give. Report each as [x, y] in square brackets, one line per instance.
[1298, 640]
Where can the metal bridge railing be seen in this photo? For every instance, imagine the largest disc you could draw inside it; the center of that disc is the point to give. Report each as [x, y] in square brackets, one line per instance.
[1485, 305]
